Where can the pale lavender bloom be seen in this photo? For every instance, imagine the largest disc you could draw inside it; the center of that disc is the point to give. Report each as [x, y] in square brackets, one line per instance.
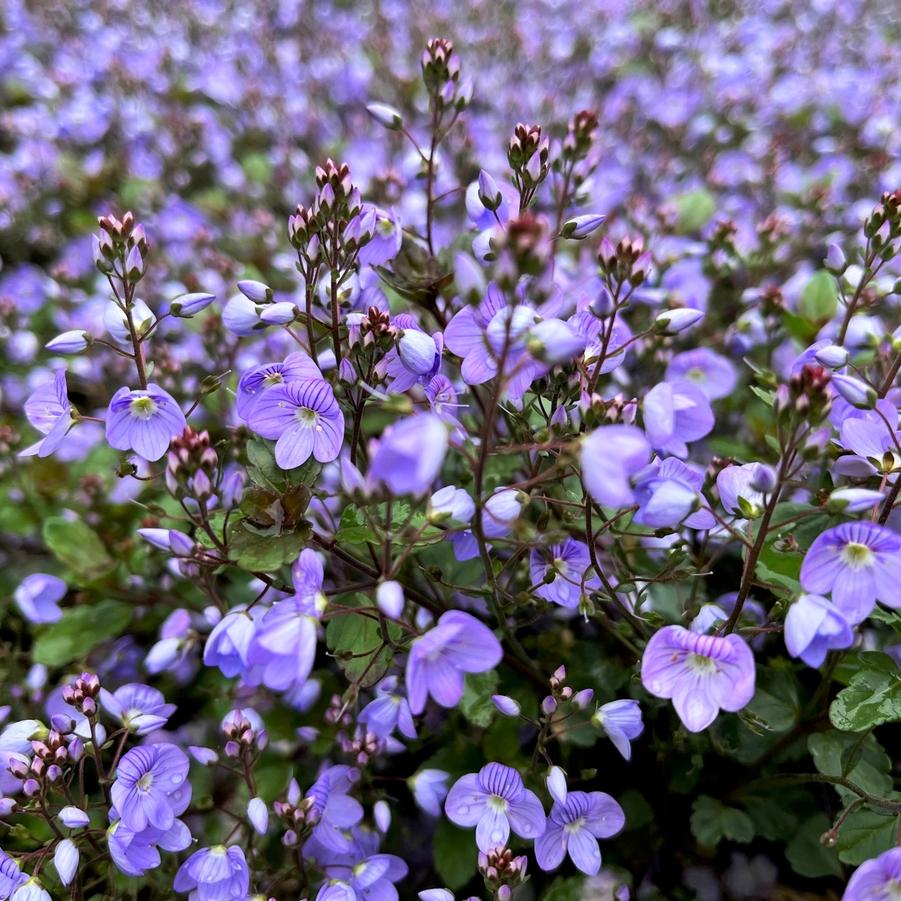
[228, 645]
[215, 874]
[258, 814]
[49, 411]
[429, 787]
[499, 513]
[37, 597]
[73, 817]
[136, 852]
[438, 660]
[569, 564]
[31, 890]
[611, 456]
[140, 708]
[336, 810]
[372, 878]
[256, 381]
[859, 563]
[144, 421]
[389, 711]
[386, 240]
[574, 827]
[451, 504]
[813, 627]
[741, 483]
[416, 358]
[877, 879]
[408, 456]
[65, 860]
[674, 414]
[621, 720]
[701, 673]
[494, 800]
[284, 642]
[712, 373]
[874, 447]
[304, 419]
[151, 787]
[11, 877]
[669, 494]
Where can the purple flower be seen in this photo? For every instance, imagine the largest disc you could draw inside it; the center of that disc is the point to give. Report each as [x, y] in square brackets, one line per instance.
[877, 879]
[37, 597]
[408, 456]
[813, 627]
[144, 421]
[494, 800]
[429, 789]
[11, 877]
[674, 414]
[741, 489]
[438, 660]
[669, 494]
[621, 720]
[389, 711]
[873, 446]
[611, 456]
[712, 373]
[303, 417]
[65, 860]
[337, 812]
[415, 360]
[215, 874]
[256, 381]
[151, 787]
[372, 878]
[859, 563]
[140, 708]
[574, 827]
[701, 673]
[560, 573]
[134, 853]
[386, 240]
[228, 645]
[49, 411]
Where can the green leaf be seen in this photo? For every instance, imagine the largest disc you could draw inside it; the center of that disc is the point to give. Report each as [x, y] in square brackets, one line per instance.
[870, 772]
[571, 889]
[807, 855]
[873, 697]
[455, 855]
[819, 298]
[775, 703]
[476, 704]
[712, 821]
[358, 646]
[79, 631]
[695, 209]
[76, 544]
[264, 553]
[865, 835]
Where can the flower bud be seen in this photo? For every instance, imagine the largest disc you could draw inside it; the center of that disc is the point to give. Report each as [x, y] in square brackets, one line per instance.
[489, 193]
[255, 291]
[134, 265]
[387, 116]
[73, 817]
[556, 784]
[859, 394]
[505, 705]
[71, 342]
[552, 341]
[381, 811]
[258, 814]
[671, 322]
[583, 698]
[853, 500]
[279, 313]
[548, 705]
[417, 351]
[832, 356]
[187, 305]
[389, 598]
[582, 226]
[65, 860]
[835, 259]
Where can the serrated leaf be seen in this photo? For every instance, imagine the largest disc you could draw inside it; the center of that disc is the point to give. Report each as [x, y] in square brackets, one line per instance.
[358, 646]
[873, 697]
[476, 704]
[79, 631]
[871, 772]
[78, 546]
[712, 821]
[865, 835]
[264, 553]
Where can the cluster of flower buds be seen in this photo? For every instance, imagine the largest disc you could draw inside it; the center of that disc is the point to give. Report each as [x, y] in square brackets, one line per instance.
[362, 746]
[580, 136]
[883, 226]
[50, 755]
[625, 261]
[524, 248]
[561, 692]
[806, 394]
[298, 814]
[191, 466]
[82, 694]
[120, 247]
[335, 226]
[441, 74]
[528, 154]
[502, 871]
[337, 713]
[242, 736]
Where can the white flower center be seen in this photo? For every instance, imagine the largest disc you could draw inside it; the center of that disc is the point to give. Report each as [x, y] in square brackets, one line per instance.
[856, 555]
[145, 782]
[142, 407]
